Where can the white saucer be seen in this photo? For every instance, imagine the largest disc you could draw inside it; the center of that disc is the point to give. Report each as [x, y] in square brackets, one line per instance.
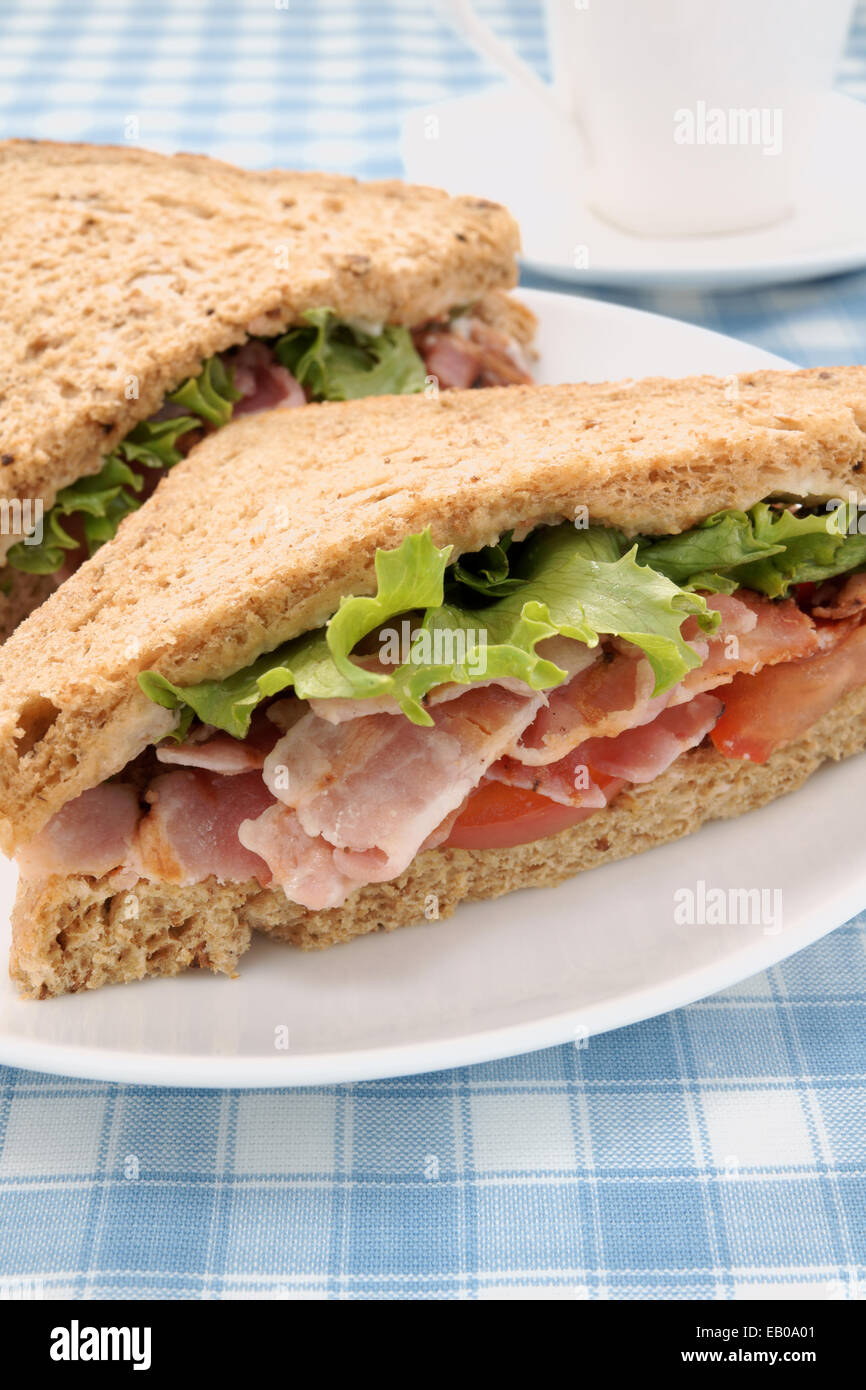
[504, 145]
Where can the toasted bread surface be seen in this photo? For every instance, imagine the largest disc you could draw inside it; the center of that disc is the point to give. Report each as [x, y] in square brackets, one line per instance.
[78, 933]
[259, 533]
[23, 593]
[123, 270]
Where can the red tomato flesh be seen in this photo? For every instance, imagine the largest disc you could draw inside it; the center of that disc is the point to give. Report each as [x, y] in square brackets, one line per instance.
[497, 817]
[780, 703]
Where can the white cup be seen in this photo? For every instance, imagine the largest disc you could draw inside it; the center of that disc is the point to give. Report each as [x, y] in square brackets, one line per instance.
[694, 116]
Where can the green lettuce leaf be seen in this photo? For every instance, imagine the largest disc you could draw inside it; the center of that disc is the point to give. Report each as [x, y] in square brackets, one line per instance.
[210, 395]
[577, 583]
[101, 500]
[767, 548]
[815, 546]
[574, 583]
[339, 362]
[486, 571]
[153, 443]
[410, 577]
[229, 704]
[334, 360]
[317, 664]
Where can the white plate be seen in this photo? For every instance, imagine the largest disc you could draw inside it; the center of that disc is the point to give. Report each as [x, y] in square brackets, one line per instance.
[526, 971]
[504, 145]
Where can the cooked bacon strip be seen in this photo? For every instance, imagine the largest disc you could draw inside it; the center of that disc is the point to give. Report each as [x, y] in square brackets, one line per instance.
[471, 353]
[303, 866]
[612, 694]
[443, 830]
[830, 634]
[615, 694]
[849, 601]
[91, 835]
[501, 359]
[311, 871]
[570, 656]
[779, 631]
[377, 788]
[567, 782]
[451, 359]
[639, 754]
[736, 618]
[642, 754]
[220, 752]
[191, 829]
[358, 798]
[341, 708]
[737, 614]
[782, 702]
[263, 383]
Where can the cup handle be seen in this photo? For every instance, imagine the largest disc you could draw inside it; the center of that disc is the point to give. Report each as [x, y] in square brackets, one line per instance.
[463, 18]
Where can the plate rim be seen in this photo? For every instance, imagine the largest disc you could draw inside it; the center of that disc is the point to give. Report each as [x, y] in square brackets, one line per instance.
[202, 1072]
[533, 296]
[208, 1072]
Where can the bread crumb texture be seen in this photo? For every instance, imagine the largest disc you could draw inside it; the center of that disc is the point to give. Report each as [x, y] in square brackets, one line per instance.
[79, 933]
[24, 593]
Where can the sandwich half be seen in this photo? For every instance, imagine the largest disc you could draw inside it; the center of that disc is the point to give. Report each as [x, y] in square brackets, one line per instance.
[147, 299]
[351, 666]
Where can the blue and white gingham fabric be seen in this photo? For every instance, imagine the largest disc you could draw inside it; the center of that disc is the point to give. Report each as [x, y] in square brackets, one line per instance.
[717, 1152]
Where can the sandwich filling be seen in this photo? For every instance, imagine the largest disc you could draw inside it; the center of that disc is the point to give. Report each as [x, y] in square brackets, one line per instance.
[323, 359]
[485, 701]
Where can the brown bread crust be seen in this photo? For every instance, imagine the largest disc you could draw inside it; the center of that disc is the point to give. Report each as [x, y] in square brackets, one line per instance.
[24, 593]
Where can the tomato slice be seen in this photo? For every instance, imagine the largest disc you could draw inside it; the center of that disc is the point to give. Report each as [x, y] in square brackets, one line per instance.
[497, 817]
[780, 703]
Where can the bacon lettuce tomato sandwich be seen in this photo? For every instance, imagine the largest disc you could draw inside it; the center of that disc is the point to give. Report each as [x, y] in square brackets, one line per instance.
[146, 300]
[351, 661]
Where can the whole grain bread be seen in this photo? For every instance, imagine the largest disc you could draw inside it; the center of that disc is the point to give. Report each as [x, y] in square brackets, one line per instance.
[20, 593]
[260, 532]
[123, 270]
[79, 933]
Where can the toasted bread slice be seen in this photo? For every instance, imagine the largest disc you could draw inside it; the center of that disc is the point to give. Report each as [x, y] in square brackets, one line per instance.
[123, 270]
[259, 533]
[79, 933]
[19, 595]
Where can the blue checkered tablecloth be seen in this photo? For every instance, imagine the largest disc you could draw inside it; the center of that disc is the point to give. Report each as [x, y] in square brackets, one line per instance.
[717, 1152]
